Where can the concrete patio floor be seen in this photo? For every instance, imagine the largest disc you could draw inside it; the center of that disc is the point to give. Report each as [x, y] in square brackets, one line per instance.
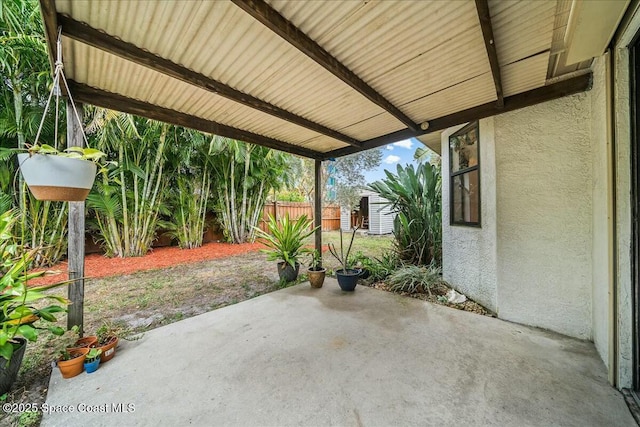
[302, 356]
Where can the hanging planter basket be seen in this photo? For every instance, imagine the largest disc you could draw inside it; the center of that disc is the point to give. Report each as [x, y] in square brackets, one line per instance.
[57, 178]
[60, 176]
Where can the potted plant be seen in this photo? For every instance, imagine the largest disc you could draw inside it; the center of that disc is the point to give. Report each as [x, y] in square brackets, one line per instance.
[285, 238]
[347, 275]
[109, 335]
[316, 272]
[20, 319]
[92, 360]
[86, 342]
[363, 263]
[71, 362]
[59, 175]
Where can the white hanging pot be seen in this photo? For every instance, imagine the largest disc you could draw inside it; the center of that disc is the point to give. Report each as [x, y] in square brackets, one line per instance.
[57, 178]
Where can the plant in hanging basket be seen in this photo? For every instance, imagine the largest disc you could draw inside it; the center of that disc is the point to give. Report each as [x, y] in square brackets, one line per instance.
[60, 175]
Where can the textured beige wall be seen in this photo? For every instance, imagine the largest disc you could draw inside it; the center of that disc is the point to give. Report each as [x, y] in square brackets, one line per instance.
[600, 224]
[544, 204]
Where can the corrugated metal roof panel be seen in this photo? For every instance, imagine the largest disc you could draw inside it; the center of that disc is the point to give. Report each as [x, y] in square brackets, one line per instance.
[521, 29]
[525, 75]
[240, 52]
[427, 57]
[476, 91]
[375, 126]
[119, 76]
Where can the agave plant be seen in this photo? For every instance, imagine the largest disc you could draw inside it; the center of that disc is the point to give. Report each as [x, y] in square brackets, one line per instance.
[286, 238]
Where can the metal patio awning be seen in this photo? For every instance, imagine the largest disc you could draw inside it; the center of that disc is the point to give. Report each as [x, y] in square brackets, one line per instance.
[319, 79]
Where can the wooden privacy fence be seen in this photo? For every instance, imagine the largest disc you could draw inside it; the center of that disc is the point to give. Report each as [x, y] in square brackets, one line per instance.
[330, 214]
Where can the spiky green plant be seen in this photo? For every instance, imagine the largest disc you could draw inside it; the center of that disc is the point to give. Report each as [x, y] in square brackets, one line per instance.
[414, 279]
[286, 238]
[415, 196]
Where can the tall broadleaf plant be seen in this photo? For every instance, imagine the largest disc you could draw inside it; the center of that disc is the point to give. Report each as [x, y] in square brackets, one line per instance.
[415, 195]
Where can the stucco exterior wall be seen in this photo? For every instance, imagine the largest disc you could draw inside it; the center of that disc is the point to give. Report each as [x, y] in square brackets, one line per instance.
[469, 253]
[544, 204]
[623, 220]
[600, 222]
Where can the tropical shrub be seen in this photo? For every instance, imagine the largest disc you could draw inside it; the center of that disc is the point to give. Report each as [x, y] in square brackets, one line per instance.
[415, 196]
[415, 279]
[286, 238]
[19, 317]
[190, 188]
[242, 177]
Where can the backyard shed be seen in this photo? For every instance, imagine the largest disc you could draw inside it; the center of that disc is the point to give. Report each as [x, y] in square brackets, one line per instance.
[376, 217]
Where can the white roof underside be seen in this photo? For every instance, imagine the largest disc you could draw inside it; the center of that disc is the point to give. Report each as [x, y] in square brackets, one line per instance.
[428, 58]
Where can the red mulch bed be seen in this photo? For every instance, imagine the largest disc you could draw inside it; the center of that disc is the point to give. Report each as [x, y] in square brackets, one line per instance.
[97, 265]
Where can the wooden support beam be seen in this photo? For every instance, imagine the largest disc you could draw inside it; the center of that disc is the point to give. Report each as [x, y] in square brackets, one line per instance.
[270, 18]
[88, 35]
[525, 99]
[50, 19]
[317, 214]
[118, 102]
[482, 6]
[75, 239]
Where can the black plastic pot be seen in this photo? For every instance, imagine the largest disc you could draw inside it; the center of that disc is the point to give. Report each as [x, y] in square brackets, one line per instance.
[348, 279]
[364, 273]
[288, 273]
[9, 372]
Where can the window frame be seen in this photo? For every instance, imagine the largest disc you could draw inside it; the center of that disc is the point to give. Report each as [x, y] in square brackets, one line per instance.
[453, 175]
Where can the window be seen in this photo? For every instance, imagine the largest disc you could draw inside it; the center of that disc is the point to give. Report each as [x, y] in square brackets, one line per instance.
[464, 174]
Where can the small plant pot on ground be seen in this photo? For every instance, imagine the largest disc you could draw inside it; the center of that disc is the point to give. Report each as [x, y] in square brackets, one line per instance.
[86, 342]
[73, 366]
[91, 367]
[288, 273]
[108, 348]
[348, 279]
[316, 276]
[57, 178]
[9, 372]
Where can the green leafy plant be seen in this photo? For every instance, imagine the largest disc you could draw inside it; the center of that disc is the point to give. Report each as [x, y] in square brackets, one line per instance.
[20, 316]
[415, 279]
[93, 354]
[415, 196]
[110, 330]
[316, 260]
[343, 256]
[286, 238]
[90, 154]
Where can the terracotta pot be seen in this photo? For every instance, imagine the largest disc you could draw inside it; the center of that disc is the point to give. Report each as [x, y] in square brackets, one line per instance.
[316, 277]
[108, 349]
[86, 342]
[57, 178]
[71, 368]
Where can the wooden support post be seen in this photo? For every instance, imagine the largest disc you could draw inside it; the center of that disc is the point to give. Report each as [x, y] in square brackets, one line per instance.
[317, 215]
[76, 232]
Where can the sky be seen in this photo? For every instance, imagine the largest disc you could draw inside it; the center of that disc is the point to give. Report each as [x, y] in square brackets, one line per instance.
[400, 152]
